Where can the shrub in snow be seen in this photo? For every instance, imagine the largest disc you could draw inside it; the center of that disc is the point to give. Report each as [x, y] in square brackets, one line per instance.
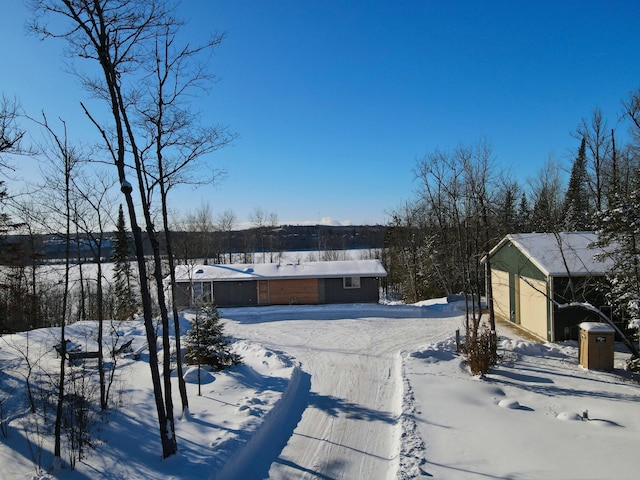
[206, 343]
[79, 413]
[478, 351]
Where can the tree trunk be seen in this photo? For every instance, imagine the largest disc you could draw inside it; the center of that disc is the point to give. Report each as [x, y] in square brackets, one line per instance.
[104, 401]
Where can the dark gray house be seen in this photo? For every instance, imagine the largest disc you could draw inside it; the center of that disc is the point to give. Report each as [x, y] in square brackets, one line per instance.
[235, 285]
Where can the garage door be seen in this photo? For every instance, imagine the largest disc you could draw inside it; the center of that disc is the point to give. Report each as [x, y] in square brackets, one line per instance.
[500, 286]
[533, 306]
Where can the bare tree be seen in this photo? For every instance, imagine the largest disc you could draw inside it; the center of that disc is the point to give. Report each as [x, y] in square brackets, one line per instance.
[200, 224]
[63, 158]
[452, 225]
[547, 193]
[94, 192]
[31, 361]
[11, 134]
[258, 217]
[226, 223]
[598, 142]
[154, 135]
[274, 244]
[410, 255]
[175, 142]
[115, 35]
[631, 111]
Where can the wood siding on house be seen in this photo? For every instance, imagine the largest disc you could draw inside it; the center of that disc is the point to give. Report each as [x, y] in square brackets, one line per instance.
[316, 291]
[298, 291]
[263, 292]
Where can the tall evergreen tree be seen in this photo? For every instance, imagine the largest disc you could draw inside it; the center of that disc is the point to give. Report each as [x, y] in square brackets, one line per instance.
[524, 215]
[542, 215]
[619, 226]
[126, 304]
[620, 236]
[577, 209]
[508, 209]
[547, 193]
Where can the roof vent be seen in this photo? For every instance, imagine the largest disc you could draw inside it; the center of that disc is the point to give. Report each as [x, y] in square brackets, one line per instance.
[199, 271]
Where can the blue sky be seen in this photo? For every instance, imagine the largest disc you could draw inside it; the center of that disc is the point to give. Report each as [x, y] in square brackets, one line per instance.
[334, 101]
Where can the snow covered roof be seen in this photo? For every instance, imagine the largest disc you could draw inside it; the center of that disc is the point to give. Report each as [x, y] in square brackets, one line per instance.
[280, 271]
[560, 253]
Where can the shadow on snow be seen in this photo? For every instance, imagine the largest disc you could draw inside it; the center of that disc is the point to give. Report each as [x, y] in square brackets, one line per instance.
[264, 314]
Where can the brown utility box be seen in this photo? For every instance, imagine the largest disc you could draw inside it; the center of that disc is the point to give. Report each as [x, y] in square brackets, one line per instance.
[596, 345]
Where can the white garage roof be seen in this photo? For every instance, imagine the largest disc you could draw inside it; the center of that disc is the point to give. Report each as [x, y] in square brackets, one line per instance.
[281, 271]
[554, 253]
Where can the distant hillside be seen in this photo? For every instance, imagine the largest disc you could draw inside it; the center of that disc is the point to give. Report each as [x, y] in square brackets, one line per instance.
[17, 249]
[286, 238]
[317, 237]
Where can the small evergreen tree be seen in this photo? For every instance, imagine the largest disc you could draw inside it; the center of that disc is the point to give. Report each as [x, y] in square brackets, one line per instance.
[126, 305]
[206, 342]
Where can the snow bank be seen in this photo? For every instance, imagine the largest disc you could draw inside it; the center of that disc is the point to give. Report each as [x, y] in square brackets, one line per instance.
[253, 459]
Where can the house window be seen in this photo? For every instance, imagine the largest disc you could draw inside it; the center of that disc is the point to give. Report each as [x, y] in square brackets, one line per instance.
[351, 282]
[207, 294]
[202, 292]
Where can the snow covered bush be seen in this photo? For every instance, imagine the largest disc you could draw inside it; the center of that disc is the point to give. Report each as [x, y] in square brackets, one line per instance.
[206, 343]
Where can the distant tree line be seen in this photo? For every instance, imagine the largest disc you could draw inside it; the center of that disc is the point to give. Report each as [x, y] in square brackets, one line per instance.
[266, 244]
[211, 245]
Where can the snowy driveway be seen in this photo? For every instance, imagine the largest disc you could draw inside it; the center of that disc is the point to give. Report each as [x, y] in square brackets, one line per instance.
[345, 423]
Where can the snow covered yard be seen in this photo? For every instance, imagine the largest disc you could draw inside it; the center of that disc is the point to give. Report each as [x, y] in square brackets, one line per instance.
[525, 419]
[233, 405]
[352, 391]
